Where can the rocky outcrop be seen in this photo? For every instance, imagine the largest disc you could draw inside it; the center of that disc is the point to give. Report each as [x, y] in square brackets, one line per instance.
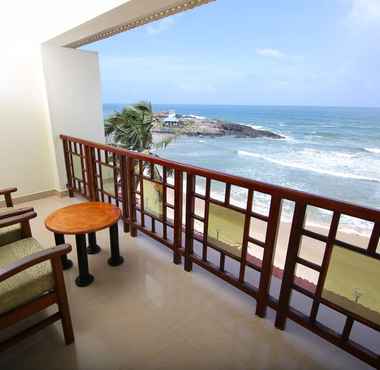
[209, 127]
[248, 131]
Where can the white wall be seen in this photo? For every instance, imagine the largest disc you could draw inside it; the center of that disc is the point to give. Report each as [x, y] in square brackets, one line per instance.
[74, 98]
[25, 148]
[27, 157]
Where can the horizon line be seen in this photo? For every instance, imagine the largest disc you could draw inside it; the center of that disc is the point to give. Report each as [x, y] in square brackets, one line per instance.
[256, 105]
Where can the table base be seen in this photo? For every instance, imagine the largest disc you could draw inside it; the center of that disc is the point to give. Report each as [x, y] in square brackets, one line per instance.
[92, 248]
[85, 278]
[84, 281]
[66, 262]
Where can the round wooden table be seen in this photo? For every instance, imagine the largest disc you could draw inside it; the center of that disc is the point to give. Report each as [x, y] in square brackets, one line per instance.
[79, 220]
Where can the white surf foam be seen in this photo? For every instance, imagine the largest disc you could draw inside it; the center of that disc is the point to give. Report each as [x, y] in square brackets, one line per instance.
[353, 226]
[373, 150]
[307, 167]
[194, 116]
[327, 155]
[289, 139]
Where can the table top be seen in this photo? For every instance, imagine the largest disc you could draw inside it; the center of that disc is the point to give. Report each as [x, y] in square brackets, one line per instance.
[83, 218]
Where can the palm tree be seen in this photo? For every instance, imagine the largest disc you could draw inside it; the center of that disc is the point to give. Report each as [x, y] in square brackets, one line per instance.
[131, 128]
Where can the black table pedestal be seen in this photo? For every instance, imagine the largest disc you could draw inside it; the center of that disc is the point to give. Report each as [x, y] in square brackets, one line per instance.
[92, 248]
[84, 278]
[115, 259]
[66, 262]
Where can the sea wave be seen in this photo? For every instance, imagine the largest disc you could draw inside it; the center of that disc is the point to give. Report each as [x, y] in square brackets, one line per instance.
[372, 150]
[325, 134]
[257, 127]
[306, 167]
[328, 155]
[319, 219]
[289, 139]
[194, 116]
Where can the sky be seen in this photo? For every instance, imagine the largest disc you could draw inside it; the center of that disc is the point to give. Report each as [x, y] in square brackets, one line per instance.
[249, 52]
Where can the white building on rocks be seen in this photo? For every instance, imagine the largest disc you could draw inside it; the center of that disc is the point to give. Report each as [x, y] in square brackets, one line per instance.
[171, 120]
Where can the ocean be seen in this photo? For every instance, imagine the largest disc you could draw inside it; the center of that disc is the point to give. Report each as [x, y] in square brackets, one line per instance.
[330, 151]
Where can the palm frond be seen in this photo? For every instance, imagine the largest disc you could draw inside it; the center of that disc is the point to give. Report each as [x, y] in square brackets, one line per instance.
[132, 128]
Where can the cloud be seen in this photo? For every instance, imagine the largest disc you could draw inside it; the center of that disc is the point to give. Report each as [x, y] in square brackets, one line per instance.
[272, 53]
[160, 26]
[364, 11]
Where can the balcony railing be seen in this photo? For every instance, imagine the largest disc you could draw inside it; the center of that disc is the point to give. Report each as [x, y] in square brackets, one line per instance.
[161, 199]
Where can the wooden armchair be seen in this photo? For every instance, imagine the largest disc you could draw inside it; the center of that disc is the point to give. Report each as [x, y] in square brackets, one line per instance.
[31, 279]
[11, 233]
[7, 193]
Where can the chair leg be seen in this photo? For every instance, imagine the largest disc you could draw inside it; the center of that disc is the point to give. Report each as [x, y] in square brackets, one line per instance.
[63, 304]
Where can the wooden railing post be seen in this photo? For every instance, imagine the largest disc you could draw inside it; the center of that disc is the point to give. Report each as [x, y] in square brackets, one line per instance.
[374, 240]
[95, 173]
[69, 185]
[290, 264]
[124, 189]
[246, 231]
[131, 196]
[190, 203]
[90, 172]
[325, 265]
[269, 251]
[178, 191]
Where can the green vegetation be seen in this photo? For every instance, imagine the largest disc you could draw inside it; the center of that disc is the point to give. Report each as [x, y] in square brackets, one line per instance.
[132, 128]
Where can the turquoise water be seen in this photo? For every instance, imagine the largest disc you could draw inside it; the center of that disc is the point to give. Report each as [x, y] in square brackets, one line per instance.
[334, 152]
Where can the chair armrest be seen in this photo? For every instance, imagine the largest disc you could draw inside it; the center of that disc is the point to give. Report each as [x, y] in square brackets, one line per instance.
[34, 259]
[7, 195]
[15, 212]
[24, 217]
[7, 191]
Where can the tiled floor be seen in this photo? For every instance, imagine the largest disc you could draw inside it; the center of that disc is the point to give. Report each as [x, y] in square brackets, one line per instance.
[150, 314]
